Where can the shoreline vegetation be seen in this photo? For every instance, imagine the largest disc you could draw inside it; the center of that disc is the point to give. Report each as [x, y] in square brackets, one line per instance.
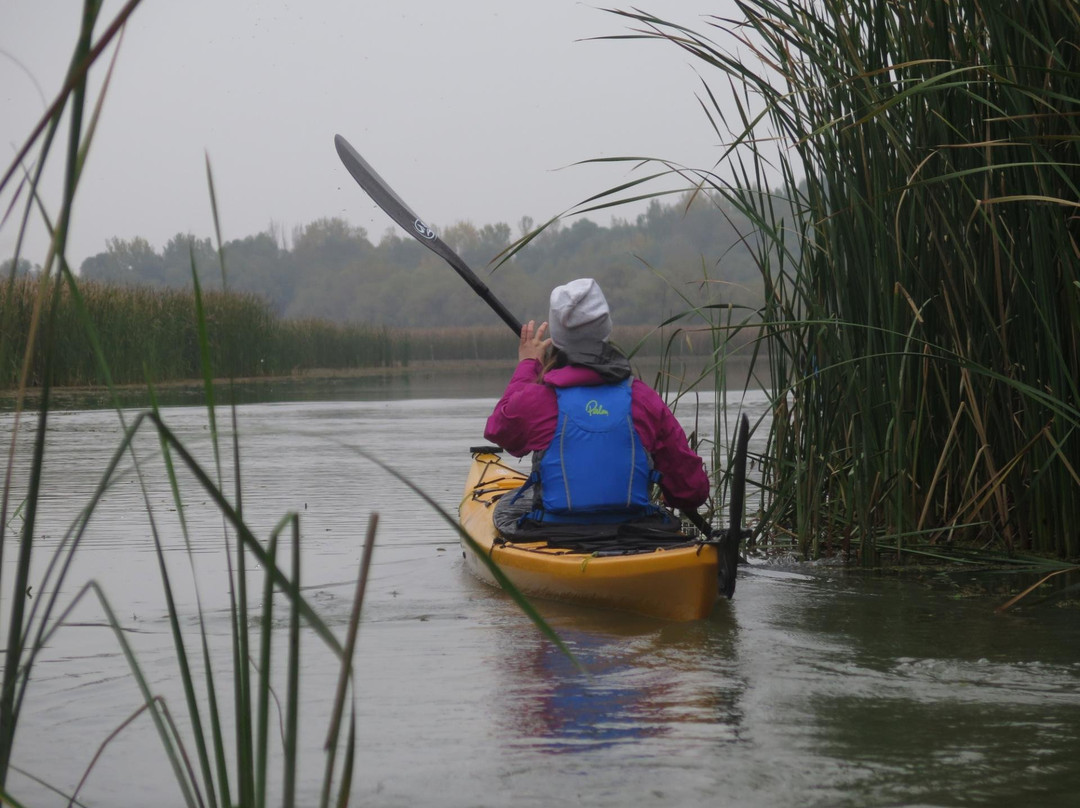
[910, 174]
[150, 335]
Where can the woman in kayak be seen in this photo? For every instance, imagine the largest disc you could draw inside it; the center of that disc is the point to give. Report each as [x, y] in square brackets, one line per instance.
[599, 437]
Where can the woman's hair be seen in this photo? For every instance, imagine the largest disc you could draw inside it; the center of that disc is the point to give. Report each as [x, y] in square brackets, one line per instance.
[555, 358]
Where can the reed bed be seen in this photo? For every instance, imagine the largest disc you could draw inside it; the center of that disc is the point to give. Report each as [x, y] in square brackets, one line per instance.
[151, 332]
[146, 331]
[912, 174]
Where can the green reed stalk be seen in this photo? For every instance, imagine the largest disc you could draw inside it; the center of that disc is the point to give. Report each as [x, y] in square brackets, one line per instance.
[345, 675]
[292, 690]
[238, 597]
[262, 742]
[18, 629]
[183, 664]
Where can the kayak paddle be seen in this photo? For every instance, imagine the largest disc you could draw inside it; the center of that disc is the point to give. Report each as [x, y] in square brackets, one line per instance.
[384, 196]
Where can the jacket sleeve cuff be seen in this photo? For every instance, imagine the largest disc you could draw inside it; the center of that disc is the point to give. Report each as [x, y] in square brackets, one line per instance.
[526, 371]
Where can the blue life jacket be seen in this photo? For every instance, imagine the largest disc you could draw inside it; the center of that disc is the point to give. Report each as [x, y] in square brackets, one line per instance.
[596, 469]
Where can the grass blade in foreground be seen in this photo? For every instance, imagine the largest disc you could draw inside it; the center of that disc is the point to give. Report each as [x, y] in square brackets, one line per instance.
[15, 675]
[504, 582]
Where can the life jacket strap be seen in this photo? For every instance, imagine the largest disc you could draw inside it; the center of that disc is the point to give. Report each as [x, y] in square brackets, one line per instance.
[530, 481]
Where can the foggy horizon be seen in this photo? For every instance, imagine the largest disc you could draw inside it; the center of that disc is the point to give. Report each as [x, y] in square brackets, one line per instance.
[474, 114]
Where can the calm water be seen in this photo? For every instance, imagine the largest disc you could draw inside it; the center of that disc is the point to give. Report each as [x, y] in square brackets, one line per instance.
[811, 688]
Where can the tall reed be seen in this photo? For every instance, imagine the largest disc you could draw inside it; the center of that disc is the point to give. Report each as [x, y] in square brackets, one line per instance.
[912, 175]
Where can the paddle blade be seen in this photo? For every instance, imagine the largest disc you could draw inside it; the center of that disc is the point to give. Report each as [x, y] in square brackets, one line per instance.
[392, 204]
[729, 542]
[380, 192]
[738, 476]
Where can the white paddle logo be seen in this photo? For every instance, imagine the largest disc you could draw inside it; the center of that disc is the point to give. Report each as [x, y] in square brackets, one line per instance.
[423, 230]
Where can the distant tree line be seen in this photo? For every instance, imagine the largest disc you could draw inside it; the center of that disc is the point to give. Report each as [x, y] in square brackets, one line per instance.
[22, 268]
[649, 268]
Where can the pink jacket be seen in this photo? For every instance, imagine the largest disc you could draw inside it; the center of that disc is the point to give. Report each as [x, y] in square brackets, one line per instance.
[524, 421]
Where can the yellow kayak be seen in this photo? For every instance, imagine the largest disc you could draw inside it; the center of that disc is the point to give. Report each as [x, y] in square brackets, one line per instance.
[675, 581]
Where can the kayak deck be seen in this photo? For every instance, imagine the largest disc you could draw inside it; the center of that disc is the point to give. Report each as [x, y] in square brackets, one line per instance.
[671, 582]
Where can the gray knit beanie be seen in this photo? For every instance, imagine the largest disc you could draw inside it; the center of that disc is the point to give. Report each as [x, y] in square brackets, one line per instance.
[579, 320]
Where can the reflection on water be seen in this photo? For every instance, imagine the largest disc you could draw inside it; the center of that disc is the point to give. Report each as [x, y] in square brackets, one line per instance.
[566, 710]
[811, 688]
[630, 690]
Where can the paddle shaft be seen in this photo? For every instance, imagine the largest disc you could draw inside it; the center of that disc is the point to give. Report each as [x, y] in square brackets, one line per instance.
[698, 521]
[383, 196]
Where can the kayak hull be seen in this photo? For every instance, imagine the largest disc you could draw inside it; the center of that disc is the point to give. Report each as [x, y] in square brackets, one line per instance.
[677, 583]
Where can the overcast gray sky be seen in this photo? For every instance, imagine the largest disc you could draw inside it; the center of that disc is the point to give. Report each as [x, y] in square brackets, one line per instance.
[468, 109]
